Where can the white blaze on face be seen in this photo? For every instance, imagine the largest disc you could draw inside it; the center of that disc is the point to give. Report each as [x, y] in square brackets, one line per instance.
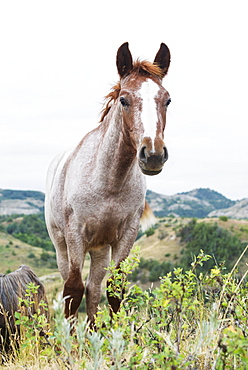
[148, 92]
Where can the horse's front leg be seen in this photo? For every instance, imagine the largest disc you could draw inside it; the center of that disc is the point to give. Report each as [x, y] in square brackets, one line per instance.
[73, 293]
[74, 287]
[99, 262]
[120, 252]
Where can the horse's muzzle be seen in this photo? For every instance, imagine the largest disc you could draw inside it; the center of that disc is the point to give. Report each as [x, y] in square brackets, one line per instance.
[152, 163]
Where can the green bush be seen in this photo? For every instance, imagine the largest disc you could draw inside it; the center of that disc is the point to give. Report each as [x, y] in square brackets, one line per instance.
[31, 255]
[218, 242]
[223, 218]
[150, 270]
[162, 234]
[48, 259]
[150, 231]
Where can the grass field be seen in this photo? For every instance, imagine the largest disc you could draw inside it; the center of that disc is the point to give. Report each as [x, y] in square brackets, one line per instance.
[186, 322]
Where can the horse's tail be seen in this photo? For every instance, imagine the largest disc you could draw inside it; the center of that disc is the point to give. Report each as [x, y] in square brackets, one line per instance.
[147, 219]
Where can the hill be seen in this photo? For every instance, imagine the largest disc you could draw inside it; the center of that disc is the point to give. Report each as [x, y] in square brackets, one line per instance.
[165, 239]
[14, 253]
[238, 210]
[24, 202]
[196, 203]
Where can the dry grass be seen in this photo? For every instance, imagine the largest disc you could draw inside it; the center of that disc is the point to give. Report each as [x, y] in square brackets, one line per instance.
[14, 252]
[153, 247]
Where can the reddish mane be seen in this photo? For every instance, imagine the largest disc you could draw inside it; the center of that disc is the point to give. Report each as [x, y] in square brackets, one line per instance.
[141, 68]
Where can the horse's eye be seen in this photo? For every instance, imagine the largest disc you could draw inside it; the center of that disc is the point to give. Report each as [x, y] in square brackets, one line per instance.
[123, 101]
[168, 102]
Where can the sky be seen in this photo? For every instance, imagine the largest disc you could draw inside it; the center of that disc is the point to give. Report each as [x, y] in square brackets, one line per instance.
[57, 62]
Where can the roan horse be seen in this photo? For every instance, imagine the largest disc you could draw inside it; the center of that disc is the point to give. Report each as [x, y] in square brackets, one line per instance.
[96, 193]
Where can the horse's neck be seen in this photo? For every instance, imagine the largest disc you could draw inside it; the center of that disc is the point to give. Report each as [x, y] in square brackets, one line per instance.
[116, 156]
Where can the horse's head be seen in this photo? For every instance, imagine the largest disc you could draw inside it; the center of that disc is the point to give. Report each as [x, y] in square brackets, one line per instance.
[143, 102]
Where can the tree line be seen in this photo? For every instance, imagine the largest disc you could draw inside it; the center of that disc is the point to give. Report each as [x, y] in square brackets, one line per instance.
[30, 229]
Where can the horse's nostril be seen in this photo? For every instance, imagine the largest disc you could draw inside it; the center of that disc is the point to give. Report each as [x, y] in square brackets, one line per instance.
[143, 155]
[166, 155]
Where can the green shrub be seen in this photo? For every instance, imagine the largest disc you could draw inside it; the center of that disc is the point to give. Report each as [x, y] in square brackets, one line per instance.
[45, 256]
[150, 231]
[31, 255]
[218, 242]
[162, 234]
[223, 218]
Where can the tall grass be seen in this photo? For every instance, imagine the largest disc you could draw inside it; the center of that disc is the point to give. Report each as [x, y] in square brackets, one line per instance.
[190, 321]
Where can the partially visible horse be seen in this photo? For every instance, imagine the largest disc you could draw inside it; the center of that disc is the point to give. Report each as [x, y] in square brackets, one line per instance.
[96, 193]
[12, 287]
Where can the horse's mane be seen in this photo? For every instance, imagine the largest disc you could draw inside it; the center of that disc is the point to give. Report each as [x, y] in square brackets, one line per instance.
[14, 284]
[142, 68]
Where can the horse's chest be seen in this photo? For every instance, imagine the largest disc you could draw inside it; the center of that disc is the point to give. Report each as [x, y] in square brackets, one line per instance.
[106, 223]
[100, 232]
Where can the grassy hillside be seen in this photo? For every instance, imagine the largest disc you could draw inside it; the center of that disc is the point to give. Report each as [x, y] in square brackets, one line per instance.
[30, 229]
[155, 247]
[14, 253]
[163, 245]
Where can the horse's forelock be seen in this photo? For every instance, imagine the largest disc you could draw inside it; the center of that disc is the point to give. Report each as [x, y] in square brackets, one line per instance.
[141, 68]
[147, 68]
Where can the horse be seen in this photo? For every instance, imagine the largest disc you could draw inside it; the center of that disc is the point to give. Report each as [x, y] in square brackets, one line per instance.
[12, 287]
[95, 193]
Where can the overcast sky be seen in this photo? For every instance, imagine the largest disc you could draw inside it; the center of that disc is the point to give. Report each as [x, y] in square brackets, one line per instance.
[57, 62]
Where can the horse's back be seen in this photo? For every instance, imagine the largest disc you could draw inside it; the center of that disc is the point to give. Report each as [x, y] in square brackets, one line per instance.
[52, 187]
[62, 179]
[54, 169]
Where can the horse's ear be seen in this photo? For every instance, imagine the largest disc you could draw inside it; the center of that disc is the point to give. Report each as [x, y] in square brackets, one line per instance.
[162, 58]
[124, 60]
